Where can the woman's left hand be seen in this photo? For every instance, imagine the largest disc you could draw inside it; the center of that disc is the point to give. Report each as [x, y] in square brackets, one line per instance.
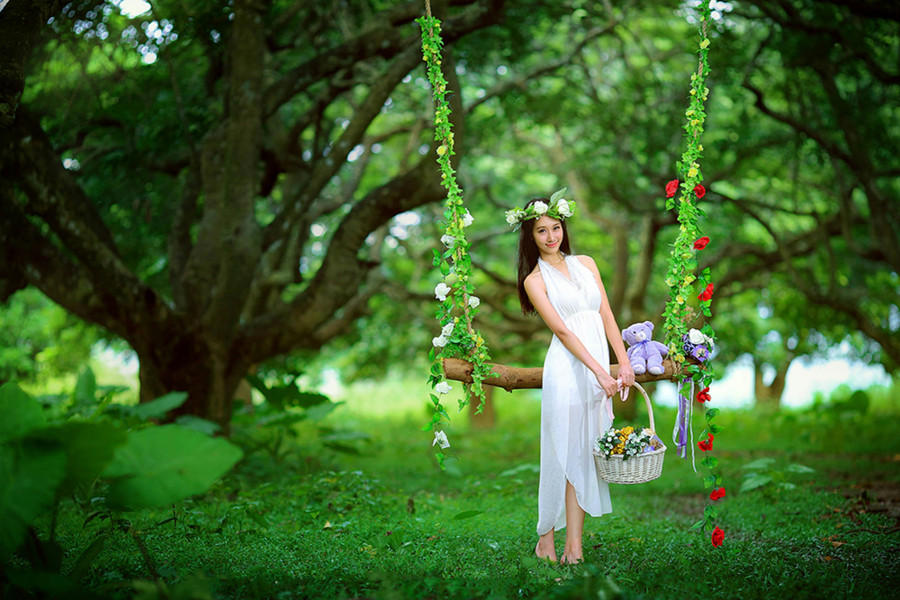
[626, 375]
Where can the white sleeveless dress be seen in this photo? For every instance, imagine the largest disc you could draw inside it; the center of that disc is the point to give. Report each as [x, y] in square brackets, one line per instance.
[571, 418]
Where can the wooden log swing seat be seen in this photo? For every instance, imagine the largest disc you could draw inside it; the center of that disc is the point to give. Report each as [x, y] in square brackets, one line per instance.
[529, 378]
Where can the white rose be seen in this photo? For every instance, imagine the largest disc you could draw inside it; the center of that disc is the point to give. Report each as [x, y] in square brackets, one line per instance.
[474, 301]
[512, 216]
[709, 342]
[441, 290]
[448, 240]
[442, 388]
[448, 329]
[540, 207]
[696, 336]
[467, 219]
[439, 342]
[563, 207]
[441, 438]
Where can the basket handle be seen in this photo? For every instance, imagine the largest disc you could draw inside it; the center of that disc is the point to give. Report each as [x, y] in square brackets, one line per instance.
[624, 393]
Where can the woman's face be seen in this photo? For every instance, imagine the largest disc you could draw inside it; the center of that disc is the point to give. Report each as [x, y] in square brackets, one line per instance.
[548, 234]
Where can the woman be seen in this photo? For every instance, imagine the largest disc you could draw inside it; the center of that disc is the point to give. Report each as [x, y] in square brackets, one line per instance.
[568, 294]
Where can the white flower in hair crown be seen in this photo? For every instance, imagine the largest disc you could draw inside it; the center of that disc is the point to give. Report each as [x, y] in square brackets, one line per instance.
[557, 208]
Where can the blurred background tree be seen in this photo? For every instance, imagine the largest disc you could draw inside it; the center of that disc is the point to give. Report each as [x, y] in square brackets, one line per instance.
[220, 185]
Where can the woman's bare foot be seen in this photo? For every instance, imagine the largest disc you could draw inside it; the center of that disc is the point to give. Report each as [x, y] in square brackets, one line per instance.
[545, 547]
[571, 558]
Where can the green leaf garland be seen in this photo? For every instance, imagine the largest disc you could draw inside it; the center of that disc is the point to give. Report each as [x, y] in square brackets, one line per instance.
[458, 305]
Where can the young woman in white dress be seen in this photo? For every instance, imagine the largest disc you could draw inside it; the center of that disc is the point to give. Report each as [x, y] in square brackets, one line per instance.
[568, 293]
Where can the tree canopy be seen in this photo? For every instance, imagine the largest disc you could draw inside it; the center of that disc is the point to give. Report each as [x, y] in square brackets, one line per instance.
[221, 184]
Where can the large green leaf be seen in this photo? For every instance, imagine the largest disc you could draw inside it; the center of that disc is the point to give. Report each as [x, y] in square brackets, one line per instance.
[159, 407]
[20, 413]
[89, 447]
[161, 465]
[85, 392]
[29, 476]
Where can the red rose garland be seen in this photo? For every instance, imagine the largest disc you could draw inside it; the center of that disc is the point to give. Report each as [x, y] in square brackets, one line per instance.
[683, 317]
[671, 188]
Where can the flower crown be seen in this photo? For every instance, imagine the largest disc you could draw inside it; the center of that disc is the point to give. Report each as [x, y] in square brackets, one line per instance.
[558, 208]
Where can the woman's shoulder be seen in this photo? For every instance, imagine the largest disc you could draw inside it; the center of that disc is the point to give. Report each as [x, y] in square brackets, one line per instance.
[586, 261]
[534, 278]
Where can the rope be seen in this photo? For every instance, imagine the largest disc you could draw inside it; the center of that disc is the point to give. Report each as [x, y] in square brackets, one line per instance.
[428, 8]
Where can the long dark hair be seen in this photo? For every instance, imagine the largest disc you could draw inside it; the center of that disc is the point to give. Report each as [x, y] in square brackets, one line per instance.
[528, 255]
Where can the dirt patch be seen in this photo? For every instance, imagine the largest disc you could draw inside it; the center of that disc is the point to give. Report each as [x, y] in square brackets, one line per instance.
[876, 497]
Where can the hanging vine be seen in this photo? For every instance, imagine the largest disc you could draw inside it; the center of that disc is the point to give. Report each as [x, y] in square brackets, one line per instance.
[458, 306]
[689, 335]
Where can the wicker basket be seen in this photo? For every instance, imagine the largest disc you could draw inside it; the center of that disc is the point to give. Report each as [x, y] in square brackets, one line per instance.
[637, 469]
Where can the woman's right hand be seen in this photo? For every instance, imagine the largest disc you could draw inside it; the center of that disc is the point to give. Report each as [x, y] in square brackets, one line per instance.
[610, 386]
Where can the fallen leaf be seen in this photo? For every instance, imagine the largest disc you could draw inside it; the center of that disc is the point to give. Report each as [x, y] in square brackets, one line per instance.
[327, 525]
[837, 544]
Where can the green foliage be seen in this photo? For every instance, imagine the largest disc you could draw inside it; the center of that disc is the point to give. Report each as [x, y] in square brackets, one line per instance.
[762, 472]
[288, 423]
[117, 468]
[159, 466]
[21, 413]
[383, 524]
[39, 340]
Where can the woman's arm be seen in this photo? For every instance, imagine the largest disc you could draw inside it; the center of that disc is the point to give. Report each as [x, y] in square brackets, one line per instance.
[613, 333]
[537, 293]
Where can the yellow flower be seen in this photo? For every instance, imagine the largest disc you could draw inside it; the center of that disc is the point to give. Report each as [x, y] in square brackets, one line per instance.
[442, 150]
[679, 299]
[704, 44]
[689, 279]
[695, 122]
[670, 282]
[692, 172]
[689, 113]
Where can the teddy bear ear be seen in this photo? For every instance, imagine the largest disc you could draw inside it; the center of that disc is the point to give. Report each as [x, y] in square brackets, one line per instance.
[649, 324]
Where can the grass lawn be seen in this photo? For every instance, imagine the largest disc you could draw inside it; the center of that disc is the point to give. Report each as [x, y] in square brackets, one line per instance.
[387, 524]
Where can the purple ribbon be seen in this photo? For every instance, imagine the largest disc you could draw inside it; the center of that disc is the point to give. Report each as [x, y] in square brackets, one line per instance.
[683, 424]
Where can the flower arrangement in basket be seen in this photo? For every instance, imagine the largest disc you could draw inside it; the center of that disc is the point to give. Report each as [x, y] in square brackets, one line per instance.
[627, 442]
[629, 455]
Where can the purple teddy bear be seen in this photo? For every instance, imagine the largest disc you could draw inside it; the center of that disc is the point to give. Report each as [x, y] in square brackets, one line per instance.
[644, 353]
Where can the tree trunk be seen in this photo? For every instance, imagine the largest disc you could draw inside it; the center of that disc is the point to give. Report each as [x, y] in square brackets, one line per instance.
[192, 364]
[769, 396]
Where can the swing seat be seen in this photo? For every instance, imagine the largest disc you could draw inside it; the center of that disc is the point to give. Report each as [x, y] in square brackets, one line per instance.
[526, 378]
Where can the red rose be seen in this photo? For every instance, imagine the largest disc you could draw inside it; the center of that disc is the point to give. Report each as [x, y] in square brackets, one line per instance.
[707, 293]
[701, 243]
[707, 444]
[703, 395]
[699, 190]
[671, 188]
[717, 537]
[717, 494]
